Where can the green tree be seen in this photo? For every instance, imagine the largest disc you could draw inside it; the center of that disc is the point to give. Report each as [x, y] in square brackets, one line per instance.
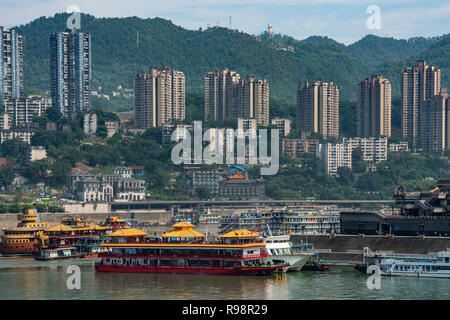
[3, 208]
[6, 176]
[15, 208]
[203, 193]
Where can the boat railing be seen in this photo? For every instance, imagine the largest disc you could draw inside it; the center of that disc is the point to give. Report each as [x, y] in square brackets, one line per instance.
[184, 256]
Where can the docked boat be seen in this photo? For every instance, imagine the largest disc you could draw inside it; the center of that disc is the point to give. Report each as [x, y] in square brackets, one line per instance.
[22, 239]
[56, 253]
[73, 238]
[433, 265]
[184, 250]
[279, 249]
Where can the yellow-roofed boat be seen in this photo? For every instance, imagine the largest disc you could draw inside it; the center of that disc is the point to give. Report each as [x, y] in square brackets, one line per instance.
[22, 240]
[185, 250]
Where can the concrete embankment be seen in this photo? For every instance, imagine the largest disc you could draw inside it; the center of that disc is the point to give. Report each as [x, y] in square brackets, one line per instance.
[349, 248]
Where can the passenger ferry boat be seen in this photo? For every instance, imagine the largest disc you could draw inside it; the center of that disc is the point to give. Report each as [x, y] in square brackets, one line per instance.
[279, 250]
[184, 250]
[435, 265]
[73, 238]
[22, 240]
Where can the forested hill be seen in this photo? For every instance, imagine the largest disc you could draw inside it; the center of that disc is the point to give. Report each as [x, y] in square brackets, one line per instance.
[118, 53]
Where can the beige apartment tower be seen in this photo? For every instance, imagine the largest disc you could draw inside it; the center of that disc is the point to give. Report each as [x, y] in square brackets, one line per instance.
[373, 110]
[253, 100]
[419, 83]
[318, 108]
[221, 94]
[434, 123]
[159, 97]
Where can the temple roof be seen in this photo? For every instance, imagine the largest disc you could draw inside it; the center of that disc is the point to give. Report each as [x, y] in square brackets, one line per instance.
[128, 233]
[240, 234]
[183, 229]
[60, 227]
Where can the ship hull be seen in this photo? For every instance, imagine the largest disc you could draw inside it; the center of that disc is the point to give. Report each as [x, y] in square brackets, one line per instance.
[417, 275]
[295, 261]
[26, 248]
[234, 271]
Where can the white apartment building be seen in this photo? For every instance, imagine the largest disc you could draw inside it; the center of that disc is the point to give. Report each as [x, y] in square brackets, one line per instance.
[334, 156]
[374, 149]
[283, 124]
[180, 130]
[90, 123]
[402, 146]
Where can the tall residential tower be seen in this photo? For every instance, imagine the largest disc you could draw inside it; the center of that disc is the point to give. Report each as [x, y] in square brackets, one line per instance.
[419, 83]
[160, 97]
[220, 94]
[253, 100]
[70, 71]
[373, 110]
[11, 65]
[318, 108]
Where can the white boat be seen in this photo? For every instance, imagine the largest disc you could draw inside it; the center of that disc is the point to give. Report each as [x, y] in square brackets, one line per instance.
[433, 265]
[279, 250]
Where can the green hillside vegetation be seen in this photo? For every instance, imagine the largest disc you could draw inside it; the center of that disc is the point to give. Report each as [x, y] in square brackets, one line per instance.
[305, 179]
[373, 50]
[117, 56]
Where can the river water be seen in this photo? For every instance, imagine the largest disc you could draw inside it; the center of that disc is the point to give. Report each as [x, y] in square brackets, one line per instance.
[25, 278]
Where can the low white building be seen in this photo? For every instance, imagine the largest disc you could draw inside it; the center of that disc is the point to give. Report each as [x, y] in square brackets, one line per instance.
[37, 153]
[90, 123]
[111, 128]
[373, 149]
[283, 124]
[21, 134]
[402, 146]
[334, 156]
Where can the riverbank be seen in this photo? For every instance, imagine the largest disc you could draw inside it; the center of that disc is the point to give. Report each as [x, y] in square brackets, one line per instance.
[349, 248]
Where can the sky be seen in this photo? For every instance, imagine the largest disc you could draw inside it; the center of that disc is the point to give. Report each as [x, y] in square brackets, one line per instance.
[345, 21]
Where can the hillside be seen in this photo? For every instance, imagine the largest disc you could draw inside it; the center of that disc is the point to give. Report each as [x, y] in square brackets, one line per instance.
[116, 57]
[373, 51]
[437, 54]
[118, 54]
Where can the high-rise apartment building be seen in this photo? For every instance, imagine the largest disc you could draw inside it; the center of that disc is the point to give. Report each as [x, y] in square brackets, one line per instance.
[318, 108]
[11, 65]
[227, 96]
[419, 83]
[435, 123]
[70, 71]
[160, 97]
[253, 100]
[221, 94]
[373, 109]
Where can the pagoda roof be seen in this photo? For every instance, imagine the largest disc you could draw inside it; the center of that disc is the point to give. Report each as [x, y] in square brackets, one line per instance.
[183, 224]
[240, 234]
[183, 229]
[60, 227]
[131, 232]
